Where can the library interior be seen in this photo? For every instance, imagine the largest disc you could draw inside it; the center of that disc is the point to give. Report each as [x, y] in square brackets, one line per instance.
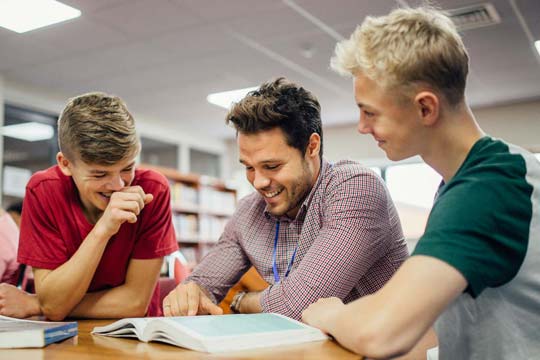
[180, 66]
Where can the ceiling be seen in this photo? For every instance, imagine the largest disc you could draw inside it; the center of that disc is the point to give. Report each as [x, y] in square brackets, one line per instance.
[165, 57]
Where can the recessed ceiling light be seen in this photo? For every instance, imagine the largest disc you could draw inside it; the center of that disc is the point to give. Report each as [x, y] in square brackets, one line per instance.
[537, 46]
[225, 99]
[30, 131]
[25, 15]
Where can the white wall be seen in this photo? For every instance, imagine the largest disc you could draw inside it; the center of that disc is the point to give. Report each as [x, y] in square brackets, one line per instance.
[33, 98]
[517, 123]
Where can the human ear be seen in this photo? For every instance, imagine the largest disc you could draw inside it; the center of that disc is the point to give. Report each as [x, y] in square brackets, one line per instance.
[314, 145]
[428, 106]
[63, 163]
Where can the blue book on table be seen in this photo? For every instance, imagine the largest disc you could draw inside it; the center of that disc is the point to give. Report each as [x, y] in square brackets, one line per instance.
[19, 333]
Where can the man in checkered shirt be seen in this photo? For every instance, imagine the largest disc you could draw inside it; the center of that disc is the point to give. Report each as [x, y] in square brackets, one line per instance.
[312, 229]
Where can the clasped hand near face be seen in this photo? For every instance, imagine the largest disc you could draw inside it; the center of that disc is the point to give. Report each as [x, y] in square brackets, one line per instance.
[124, 206]
[187, 300]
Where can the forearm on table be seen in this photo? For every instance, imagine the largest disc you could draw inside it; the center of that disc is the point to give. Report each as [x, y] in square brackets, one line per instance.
[60, 290]
[361, 336]
[375, 329]
[393, 320]
[130, 299]
[119, 302]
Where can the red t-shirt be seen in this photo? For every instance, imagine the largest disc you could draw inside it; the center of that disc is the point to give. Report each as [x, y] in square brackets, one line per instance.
[53, 227]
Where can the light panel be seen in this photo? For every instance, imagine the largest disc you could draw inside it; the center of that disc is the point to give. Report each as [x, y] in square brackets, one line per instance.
[225, 99]
[25, 15]
[30, 131]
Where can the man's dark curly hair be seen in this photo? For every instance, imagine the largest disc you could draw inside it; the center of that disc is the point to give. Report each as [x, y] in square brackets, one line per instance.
[279, 103]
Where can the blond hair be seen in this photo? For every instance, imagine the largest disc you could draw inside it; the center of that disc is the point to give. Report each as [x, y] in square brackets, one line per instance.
[407, 48]
[98, 129]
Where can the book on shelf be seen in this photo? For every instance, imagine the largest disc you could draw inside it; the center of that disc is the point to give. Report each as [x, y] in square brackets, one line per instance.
[211, 228]
[186, 226]
[216, 333]
[216, 201]
[19, 333]
[184, 196]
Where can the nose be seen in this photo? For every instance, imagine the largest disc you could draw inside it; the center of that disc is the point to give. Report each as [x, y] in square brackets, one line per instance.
[260, 181]
[117, 183]
[363, 126]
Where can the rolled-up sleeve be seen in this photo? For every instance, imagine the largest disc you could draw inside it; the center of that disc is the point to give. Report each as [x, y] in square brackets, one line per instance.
[223, 266]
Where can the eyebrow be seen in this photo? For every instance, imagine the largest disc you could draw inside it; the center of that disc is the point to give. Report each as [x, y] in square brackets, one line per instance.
[96, 171]
[361, 105]
[262, 162]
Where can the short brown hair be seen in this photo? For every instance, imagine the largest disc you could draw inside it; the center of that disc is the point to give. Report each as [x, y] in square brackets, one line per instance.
[282, 104]
[98, 129]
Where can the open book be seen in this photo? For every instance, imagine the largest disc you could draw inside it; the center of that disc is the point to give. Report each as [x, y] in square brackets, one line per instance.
[216, 333]
[17, 333]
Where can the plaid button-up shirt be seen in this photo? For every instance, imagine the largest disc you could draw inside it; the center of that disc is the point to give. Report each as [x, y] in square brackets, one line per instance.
[348, 235]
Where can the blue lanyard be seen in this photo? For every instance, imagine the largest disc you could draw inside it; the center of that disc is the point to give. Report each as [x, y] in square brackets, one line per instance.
[274, 265]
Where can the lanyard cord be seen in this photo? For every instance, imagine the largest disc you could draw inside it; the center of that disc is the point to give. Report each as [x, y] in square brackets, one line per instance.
[274, 265]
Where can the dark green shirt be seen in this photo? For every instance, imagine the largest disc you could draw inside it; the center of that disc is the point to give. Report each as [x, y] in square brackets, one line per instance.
[486, 224]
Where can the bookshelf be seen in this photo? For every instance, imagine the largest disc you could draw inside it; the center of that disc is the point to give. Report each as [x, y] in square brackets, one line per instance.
[201, 206]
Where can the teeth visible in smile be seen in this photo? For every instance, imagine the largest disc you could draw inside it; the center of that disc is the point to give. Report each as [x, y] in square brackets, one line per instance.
[106, 195]
[272, 194]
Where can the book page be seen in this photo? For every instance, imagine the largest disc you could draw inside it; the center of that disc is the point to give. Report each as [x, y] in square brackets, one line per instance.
[216, 333]
[20, 333]
[234, 325]
[130, 327]
[234, 332]
[8, 324]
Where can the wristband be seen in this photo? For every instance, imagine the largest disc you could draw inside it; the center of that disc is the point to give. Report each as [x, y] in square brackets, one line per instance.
[237, 299]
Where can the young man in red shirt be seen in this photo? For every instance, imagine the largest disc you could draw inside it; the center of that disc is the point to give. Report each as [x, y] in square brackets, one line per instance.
[94, 229]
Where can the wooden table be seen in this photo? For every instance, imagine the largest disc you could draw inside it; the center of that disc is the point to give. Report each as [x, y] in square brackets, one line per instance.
[87, 346]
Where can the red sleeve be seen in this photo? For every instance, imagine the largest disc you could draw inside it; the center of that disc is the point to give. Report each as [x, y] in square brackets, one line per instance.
[40, 243]
[156, 236]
